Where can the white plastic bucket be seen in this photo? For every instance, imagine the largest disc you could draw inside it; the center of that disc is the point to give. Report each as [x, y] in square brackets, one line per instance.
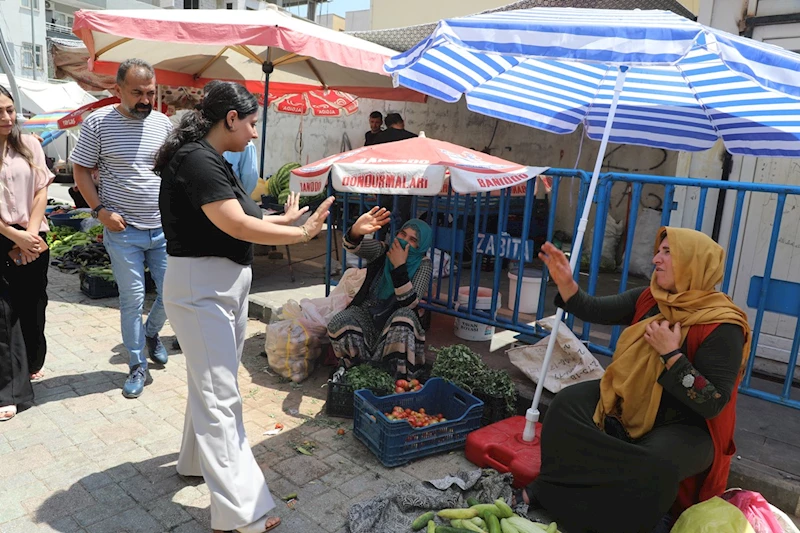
[475, 331]
[529, 295]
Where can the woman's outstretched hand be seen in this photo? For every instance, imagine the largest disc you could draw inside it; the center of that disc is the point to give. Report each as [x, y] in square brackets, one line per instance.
[560, 271]
[314, 223]
[292, 210]
[370, 222]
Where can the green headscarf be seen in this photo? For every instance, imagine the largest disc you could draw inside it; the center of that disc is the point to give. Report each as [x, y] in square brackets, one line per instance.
[415, 255]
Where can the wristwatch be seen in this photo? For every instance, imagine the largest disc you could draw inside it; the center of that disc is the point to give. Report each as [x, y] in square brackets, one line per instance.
[96, 210]
[667, 356]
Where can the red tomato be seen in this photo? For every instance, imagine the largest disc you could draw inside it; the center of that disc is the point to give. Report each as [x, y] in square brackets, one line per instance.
[414, 382]
[422, 410]
[398, 390]
[401, 383]
[278, 426]
[418, 387]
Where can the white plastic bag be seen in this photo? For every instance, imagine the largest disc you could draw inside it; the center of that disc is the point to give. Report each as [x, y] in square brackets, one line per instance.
[350, 282]
[572, 362]
[647, 225]
[611, 238]
[294, 345]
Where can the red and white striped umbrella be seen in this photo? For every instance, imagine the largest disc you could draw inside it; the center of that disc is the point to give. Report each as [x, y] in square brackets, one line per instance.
[416, 166]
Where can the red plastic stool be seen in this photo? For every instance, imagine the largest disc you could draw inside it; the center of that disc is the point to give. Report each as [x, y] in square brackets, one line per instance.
[500, 446]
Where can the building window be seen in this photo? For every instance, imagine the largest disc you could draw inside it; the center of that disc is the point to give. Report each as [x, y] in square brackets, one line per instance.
[228, 6]
[27, 4]
[191, 4]
[28, 56]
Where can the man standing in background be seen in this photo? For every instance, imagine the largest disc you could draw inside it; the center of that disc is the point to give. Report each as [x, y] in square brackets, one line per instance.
[121, 141]
[395, 130]
[375, 123]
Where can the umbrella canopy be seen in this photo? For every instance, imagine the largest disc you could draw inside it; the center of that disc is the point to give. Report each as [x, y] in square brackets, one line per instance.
[44, 121]
[319, 103]
[415, 166]
[74, 118]
[554, 68]
[234, 45]
[650, 78]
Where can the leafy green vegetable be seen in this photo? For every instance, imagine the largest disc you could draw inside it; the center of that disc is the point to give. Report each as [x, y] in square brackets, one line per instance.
[368, 377]
[467, 370]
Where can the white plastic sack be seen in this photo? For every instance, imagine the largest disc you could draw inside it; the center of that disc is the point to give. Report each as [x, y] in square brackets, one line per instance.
[647, 225]
[572, 362]
[294, 345]
[611, 238]
[350, 282]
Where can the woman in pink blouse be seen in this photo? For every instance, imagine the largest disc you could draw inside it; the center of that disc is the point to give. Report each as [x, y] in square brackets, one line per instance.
[24, 259]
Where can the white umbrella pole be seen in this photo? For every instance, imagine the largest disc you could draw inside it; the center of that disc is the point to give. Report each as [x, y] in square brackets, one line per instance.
[532, 415]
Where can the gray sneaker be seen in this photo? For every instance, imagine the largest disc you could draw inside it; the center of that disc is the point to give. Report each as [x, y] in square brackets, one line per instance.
[134, 385]
[156, 349]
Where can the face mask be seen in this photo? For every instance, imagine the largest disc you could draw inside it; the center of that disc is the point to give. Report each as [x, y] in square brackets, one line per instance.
[403, 243]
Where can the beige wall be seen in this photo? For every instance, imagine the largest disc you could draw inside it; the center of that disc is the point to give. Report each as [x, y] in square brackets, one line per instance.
[398, 14]
[691, 5]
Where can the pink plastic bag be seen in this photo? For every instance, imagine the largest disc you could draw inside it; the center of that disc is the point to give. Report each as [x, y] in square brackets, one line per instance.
[755, 508]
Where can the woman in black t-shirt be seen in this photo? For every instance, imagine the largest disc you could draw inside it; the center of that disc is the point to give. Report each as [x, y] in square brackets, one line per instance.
[210, 224]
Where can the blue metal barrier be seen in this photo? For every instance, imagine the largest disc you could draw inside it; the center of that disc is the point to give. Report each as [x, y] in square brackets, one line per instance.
[474, 231]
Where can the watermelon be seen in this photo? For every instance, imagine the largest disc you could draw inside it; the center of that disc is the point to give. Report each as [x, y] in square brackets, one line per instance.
[279, 183]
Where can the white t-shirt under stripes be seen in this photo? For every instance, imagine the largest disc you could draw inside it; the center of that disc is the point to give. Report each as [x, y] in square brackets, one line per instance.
[124, 149]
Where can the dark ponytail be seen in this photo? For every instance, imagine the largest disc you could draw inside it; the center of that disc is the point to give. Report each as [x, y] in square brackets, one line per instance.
[220, 98]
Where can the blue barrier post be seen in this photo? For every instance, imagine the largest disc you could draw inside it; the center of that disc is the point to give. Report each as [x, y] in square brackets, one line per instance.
[730, 254]
[773, 244]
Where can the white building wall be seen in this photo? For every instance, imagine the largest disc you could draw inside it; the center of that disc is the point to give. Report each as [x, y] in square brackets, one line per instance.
[358, 20]
[15, 22]
[455, 123]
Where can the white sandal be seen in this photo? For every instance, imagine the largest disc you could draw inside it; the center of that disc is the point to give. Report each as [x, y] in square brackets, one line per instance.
[7, 412]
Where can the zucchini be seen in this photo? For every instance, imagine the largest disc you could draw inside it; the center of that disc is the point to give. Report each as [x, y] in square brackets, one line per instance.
[472, 501]
[552, 528]
[493, 523]
[431, 527]
[467, 524]
[449, 514]
[507, 527]
[525, 526]
[422, 520]
[486, 507]
[505, 510]
[456, 523]
[450, 529]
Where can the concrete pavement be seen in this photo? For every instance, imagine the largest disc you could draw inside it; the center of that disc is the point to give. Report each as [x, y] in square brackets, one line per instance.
[85, 459]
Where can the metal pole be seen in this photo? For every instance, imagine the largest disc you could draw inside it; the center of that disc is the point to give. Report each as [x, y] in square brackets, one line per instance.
[33, 38]
[311, 13]
[266, 68]
[532, 415]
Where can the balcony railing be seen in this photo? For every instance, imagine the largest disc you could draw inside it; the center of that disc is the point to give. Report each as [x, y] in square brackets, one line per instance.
[59, 28]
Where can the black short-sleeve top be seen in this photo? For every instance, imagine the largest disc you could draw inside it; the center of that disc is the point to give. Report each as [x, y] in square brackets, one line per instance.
[196, 176]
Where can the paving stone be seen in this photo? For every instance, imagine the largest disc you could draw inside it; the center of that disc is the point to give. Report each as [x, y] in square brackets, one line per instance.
[302, 469]
[111, 501]
[343, 470]
[192, 527]
[58, 504]
[328, 510]
[168, 513]
[369, 481]
[144, 490]
[135, 520]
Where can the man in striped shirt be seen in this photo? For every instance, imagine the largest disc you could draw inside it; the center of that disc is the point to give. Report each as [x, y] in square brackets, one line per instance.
[121, 141]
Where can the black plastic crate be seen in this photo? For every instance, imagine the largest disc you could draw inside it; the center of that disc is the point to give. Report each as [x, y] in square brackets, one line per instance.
[340, 400]
[96, 287]
[495, 408]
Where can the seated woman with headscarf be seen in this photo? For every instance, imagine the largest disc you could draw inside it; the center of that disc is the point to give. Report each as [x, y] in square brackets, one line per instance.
[382, 322]
[628, 452]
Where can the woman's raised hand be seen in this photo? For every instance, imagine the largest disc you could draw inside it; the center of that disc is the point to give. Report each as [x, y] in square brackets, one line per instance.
[314, 223]
[370, 222]
[560, 271]
[292, 210]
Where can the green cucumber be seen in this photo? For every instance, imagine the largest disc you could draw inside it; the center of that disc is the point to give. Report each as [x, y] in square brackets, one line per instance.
[422, 520]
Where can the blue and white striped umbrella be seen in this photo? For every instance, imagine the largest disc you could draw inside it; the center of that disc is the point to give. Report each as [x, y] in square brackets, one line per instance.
[554, 68]
[650, 78]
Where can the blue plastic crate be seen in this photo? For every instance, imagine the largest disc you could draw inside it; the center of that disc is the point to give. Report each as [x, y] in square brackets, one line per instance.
[396, 443]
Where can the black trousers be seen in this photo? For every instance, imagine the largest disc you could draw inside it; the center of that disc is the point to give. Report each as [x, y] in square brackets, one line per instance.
[27, 295]
[15, 383]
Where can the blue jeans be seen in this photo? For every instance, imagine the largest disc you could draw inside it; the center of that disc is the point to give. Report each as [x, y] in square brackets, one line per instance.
[131, 250]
